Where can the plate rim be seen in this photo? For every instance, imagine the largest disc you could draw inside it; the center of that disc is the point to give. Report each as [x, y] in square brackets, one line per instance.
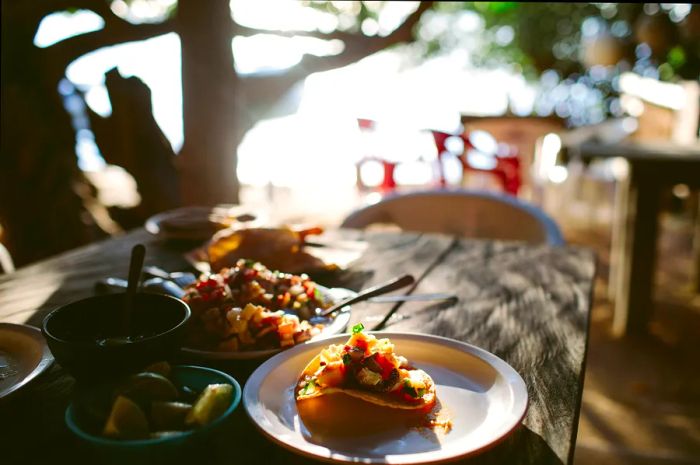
[341, 320]
[45, 361]
[152, 223]
[253, 384]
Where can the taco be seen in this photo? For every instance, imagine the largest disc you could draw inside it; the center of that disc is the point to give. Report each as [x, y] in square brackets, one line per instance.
[367, 368]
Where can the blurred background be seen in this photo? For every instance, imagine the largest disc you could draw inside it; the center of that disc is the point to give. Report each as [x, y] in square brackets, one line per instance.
[113, 111]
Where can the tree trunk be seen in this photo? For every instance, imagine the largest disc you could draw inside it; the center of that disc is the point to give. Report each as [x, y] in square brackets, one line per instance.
[208, 157]
[41, 209]
[131, 138]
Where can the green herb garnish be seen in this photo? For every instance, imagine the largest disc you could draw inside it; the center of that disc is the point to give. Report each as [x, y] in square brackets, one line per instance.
[411, 391]
[311, 383]
[358, 328]
[347, 359]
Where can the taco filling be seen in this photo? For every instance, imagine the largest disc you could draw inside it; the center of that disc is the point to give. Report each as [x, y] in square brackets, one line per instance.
[367, 368]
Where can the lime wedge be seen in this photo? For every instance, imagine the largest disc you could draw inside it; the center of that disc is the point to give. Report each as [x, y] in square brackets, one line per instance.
[160, 368]
[210, 405]
[169, 416]
[148, 387]
[126, 420]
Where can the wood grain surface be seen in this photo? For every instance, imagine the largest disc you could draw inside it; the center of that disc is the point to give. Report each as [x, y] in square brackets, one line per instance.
[529, 305]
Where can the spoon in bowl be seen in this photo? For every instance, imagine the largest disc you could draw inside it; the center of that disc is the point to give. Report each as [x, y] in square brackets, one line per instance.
[138, 254]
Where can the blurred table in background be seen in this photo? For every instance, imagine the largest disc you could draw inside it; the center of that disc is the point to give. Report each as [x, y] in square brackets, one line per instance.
[653, 168]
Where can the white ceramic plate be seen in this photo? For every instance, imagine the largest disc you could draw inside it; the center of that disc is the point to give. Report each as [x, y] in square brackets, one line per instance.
[196, 214]
[338, 325]
[23, 356]
[485, 398]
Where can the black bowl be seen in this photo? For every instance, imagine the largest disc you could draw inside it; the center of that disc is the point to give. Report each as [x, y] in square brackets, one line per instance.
[79, 333]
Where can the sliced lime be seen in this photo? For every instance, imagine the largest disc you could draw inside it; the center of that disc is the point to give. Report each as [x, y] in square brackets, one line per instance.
[166, 416]
[210, 405]
[126, 420]
[148, 387]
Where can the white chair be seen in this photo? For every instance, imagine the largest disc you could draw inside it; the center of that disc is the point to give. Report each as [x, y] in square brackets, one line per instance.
[461, 212]
[6, 264]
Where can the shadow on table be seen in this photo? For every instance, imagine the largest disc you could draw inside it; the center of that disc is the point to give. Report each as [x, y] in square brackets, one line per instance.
[520, 448]
[349, 279]
[524, 446]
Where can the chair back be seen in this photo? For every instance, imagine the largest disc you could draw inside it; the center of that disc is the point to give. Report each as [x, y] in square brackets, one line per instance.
[6, 264]
[461, 212]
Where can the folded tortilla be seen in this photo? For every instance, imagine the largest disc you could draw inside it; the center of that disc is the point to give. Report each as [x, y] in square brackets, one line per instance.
[393, 398]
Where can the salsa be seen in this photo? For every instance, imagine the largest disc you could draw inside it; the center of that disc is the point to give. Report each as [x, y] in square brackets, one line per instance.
[249, 307]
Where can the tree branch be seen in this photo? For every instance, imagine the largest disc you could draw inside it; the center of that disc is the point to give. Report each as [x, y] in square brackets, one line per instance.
[116, 31]
[240, 30]
[265, 90]
[40, 9]
[357, 47]
[400, 34]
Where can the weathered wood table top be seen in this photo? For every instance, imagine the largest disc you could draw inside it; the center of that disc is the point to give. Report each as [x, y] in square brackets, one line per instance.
[529, 305]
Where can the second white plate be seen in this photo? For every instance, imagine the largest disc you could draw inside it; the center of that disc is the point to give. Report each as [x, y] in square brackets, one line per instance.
[485, 398]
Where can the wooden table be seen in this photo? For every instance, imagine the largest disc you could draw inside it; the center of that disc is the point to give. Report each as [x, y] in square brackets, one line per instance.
[529, 305]
[652, 168]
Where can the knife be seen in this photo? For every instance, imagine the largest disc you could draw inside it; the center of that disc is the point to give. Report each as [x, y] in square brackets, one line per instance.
[412, 298]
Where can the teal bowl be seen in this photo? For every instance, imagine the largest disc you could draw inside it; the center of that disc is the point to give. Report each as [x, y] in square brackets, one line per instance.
[170, 449]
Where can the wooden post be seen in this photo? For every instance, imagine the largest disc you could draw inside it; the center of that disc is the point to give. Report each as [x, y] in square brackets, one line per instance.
[696, 246]
[635, 276]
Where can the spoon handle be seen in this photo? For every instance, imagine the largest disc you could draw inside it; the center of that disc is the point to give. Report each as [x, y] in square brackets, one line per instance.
[138, 254]
[394, 284]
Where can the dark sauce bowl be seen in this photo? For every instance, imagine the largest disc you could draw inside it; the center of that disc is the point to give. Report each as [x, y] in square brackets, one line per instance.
[81, 334]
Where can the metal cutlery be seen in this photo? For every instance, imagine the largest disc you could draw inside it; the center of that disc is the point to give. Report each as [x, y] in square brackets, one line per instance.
[394, 284]
[412, 298]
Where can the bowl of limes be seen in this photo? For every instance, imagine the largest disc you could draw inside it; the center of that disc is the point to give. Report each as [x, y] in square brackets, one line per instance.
[155, 415]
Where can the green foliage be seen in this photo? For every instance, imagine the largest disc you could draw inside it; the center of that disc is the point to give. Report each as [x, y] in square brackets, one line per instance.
[534, 37]
[555, 36]
[676, 57]
[580, 44]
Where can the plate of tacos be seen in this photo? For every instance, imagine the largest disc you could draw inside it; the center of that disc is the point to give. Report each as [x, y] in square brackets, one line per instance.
[384, 397]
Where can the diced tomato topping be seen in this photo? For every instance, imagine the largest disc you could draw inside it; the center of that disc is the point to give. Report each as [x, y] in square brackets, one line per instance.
[206, 284]
[251, 282]
[311, 291]
[386, 365]
[362, 344]
[273, 320]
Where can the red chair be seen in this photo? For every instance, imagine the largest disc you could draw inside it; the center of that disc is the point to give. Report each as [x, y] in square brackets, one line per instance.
[389, 167]
[507, 169]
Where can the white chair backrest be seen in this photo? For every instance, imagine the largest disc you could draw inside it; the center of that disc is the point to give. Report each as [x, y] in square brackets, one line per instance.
[461, 212]
[6, 264]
